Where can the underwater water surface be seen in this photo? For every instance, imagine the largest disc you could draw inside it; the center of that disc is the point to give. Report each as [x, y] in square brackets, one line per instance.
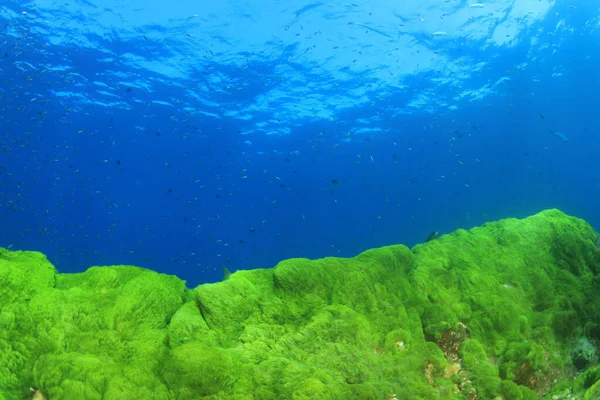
[189, 136]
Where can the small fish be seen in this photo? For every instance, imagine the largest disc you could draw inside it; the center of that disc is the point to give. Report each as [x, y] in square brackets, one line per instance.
[559, 135]
[477, 5]
[440, 33]
[432, 236]
[37, 394]
[226, 272]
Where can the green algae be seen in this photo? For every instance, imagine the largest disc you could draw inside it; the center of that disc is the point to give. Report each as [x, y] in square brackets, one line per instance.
[508, 310]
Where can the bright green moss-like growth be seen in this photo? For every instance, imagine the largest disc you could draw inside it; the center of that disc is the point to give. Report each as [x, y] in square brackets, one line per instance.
[194, 369]
[502, 311]
[438, 319]
[484, 373]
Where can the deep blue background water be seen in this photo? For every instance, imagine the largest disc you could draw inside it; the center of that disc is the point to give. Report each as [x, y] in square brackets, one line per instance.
[183, 137]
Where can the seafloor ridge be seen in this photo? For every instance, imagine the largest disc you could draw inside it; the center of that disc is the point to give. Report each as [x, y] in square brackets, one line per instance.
[509, 310]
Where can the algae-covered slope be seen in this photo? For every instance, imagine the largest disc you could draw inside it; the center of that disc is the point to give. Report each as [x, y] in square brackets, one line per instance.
[509, 310]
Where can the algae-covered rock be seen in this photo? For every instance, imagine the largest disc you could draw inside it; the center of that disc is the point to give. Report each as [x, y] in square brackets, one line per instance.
[508, 310]
[194, 369]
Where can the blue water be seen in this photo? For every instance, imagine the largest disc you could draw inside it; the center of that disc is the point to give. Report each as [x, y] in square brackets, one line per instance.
[181, 136]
